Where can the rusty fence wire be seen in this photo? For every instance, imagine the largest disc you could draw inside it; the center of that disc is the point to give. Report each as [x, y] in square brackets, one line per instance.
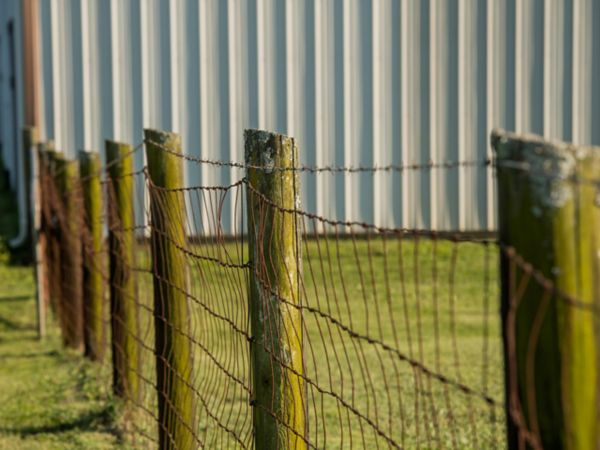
[312, 331]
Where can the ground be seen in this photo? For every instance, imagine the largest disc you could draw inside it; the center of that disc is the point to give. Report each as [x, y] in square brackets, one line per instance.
[373, 308]
[49, 398]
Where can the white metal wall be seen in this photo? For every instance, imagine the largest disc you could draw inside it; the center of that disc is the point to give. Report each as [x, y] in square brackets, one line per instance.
[358, 82]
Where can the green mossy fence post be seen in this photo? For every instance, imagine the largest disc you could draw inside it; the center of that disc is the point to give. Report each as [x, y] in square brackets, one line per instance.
[71, 276]
[124, 311]
[277, 344]
[93, 260]
[176, 412]
[50, 229]
[550, 216]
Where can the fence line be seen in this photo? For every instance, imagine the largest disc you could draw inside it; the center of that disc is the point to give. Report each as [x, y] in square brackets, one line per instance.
[301, 331]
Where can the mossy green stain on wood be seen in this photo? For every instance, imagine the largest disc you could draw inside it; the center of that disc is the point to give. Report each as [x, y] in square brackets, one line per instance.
[124, 310]
[581, 346]
[95, 336]
[553, 222]
[48, 198]
[280, 402]
[174, 364]
[69, 218]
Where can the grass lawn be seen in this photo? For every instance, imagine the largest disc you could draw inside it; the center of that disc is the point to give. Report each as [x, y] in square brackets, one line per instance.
[402, 345]
[49, 397]
[372, 306]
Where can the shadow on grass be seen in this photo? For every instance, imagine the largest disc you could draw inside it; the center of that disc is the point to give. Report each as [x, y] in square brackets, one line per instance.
[27, 335]
[11, 325]
[49, 354]
[91, 421]
[15, 298]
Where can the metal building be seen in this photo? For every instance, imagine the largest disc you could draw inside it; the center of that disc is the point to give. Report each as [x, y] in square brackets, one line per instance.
[358, 82]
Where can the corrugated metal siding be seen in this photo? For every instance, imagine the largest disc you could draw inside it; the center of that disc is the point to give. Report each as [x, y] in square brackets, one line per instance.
[358, 82]
[10, 126]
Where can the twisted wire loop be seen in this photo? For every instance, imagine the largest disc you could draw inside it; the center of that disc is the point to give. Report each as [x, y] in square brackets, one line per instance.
[398, 329]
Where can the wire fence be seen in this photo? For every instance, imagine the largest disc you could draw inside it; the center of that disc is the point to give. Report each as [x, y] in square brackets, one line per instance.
[287, 329]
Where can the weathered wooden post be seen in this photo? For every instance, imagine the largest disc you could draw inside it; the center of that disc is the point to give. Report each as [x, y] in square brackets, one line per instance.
[30, 141]
[176, 409]
[37, 239]
[50, 228]
[69, 222]
[124, 311]
[273, 238]
[93, 258]
[549, 216]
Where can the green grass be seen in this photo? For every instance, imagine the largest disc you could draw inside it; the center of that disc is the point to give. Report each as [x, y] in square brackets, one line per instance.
[429, 303]
[49, 397]
[433, 304]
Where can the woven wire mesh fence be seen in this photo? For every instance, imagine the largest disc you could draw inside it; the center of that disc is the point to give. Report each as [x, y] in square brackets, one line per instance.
[282, 328]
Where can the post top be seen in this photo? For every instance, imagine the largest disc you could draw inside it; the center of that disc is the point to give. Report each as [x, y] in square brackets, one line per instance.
[113, 143]
[551, 166]
[30, 135]
[118, 151]
[161, 137]
[87, 153]
[269, 149]
[263, 135]
[508, 145]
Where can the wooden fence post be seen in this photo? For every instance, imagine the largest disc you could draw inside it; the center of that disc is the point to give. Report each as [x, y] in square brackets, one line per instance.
[549, 216]
[69, 220]
[277, 344]
[36, 238]
[176, 409]
[93, 259]
[49, 228]
[30, 141]
[124, 312]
